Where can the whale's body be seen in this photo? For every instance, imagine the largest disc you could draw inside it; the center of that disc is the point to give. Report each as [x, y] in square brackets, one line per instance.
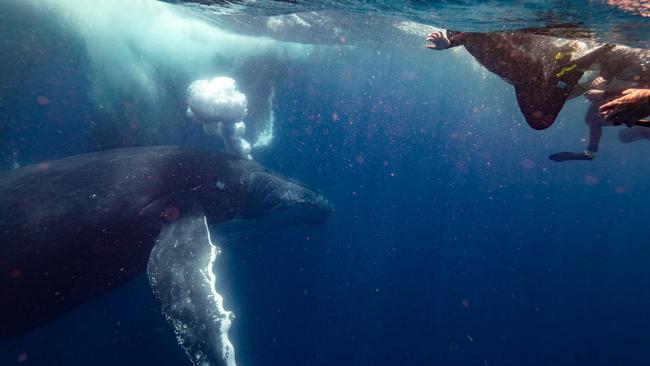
[74, 228]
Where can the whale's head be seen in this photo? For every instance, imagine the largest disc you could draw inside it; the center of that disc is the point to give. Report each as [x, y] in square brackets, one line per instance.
[286, 200]
[265, 200]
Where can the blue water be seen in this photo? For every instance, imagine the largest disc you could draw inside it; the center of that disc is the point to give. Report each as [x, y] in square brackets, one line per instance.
[455, 240]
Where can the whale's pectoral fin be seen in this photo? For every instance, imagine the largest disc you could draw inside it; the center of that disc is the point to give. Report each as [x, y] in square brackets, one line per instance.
[181, 275]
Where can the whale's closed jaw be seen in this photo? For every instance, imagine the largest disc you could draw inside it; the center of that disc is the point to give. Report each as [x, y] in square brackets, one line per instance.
[274, 202]
[272, 194]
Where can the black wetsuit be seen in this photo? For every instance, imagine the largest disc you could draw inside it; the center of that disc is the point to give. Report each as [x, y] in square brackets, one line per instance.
[543, 81]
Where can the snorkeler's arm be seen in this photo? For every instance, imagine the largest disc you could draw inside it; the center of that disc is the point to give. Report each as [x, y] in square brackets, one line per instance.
[456, 38]
[617, 86]
[632, 105]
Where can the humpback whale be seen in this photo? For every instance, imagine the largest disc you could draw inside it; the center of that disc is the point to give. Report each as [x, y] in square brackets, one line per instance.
[74, 228]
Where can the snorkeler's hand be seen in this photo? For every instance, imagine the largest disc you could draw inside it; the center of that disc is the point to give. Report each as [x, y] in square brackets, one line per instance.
[598, 83]
[568, 156]
[438, 41]
[594, 94]
[633, 104]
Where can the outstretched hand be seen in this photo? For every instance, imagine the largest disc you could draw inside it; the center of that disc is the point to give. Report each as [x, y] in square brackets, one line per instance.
[438, 41]
[633, 102]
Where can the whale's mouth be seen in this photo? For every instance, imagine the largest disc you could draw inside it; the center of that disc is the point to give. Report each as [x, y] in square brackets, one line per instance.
[274, 202]
[245, 229]
[284, 200]
[241, 230]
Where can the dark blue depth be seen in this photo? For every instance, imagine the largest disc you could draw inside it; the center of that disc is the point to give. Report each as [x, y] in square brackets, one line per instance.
[455, 240]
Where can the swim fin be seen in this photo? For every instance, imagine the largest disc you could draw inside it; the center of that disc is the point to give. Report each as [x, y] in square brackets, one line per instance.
[568, 156]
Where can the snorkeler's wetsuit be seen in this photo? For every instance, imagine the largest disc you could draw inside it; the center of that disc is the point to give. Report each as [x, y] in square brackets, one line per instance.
[535, 65]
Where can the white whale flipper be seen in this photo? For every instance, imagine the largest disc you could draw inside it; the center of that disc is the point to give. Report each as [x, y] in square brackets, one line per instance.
[180, 271]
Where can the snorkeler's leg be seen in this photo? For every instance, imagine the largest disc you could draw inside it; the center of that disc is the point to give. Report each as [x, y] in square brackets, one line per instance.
[590, 154]
[595, 123]
[595, 133]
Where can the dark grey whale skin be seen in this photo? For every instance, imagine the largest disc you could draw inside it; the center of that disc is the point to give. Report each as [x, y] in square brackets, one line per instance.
[74, 228]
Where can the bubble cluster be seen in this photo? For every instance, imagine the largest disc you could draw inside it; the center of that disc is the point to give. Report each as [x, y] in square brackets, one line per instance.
[219, 107]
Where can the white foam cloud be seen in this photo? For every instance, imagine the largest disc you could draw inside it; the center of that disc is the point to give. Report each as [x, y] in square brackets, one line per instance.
[266, 134]
[215, 100]
[220, 107]
[132, 45]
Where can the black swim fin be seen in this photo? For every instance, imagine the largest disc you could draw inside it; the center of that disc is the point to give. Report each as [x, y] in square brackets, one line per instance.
[568, 156]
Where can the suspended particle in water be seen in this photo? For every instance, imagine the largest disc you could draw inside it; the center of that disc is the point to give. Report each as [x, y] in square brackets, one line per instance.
[43, 166]
[527, 164]
[15, 273]
[43, 101]
[591, 180]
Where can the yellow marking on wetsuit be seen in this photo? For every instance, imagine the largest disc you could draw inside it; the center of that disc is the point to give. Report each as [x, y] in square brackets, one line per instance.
[560, 55]
[566, 70]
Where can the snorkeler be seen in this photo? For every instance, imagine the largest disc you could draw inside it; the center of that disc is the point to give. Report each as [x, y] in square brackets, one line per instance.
[516, 55]
[627, 107]
[596, 122]
[543, 69]
[596, 92]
